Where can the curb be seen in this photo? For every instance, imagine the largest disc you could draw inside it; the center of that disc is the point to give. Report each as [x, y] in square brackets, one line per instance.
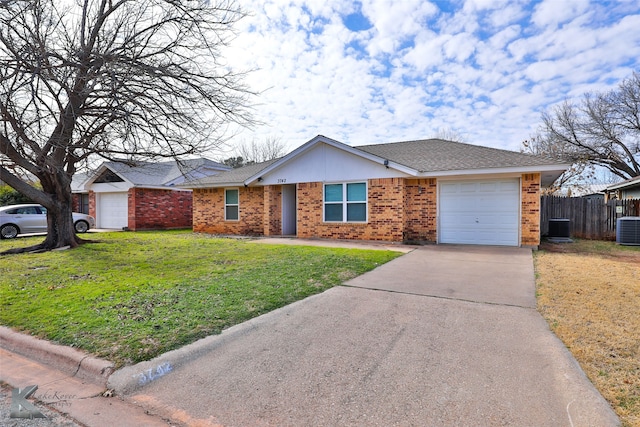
[67, 359]
[128, 380]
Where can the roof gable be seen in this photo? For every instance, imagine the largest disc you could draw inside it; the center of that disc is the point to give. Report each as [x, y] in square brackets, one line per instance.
[108, 175]
[324, 162]
[321, 139]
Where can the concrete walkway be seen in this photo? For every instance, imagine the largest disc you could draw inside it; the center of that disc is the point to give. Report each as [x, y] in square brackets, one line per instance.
[441, 336]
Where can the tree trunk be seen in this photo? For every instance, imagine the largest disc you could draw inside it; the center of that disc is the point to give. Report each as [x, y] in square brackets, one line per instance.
[60, 229]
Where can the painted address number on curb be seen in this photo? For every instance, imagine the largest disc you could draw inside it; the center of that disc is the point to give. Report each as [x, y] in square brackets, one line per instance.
[153, 374]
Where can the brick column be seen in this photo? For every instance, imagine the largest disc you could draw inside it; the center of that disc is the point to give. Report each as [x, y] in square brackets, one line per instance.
[272, 221]
[530, 222]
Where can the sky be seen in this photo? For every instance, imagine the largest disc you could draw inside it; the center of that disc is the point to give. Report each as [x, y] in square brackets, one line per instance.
[376, 71]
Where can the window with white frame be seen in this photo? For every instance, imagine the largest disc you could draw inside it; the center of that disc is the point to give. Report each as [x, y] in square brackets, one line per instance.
[231, 204]
[346, 202]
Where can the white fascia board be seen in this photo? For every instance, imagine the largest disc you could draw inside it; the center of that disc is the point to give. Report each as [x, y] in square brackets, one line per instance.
[624, 184]
[213, 185]
[489, 171]
[548, 173]
[333, 143]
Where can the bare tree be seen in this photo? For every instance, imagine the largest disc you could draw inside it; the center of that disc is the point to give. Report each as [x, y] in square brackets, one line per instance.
[578, 175]
[603, 130]
[449, 134]
[110, 79]
[261, 151]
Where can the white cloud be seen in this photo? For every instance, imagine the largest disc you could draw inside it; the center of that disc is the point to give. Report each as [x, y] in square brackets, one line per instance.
[550, 13]
[427, 53]
[395, 22]
[507, 15]
[460, 46]
[485, 69]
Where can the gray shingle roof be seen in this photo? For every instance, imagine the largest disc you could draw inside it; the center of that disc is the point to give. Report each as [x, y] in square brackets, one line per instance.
[165, 173]
[77, 182]
[233, 177]
[433, 155]
[423, 156]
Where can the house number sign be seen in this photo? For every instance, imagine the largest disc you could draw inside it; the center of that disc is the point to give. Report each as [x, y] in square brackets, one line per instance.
[282, 180]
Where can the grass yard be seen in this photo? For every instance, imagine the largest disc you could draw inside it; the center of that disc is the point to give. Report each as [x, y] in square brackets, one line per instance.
[589, 292]
[132, 296]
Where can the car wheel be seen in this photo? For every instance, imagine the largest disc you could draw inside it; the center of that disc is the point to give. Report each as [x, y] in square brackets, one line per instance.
[9, 231]
[81, 226]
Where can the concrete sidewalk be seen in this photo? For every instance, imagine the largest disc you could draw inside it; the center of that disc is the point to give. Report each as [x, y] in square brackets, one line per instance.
[66, 399]
[444, 335]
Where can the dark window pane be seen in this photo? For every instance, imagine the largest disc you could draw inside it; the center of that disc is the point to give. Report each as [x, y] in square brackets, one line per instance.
[333, 193]
[231, 213]
[333, 212]
[357, 212]
[231, 197]
[357, 192]
[84, 198]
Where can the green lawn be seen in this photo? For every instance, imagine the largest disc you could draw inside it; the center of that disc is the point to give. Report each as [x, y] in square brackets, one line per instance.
[132, 296]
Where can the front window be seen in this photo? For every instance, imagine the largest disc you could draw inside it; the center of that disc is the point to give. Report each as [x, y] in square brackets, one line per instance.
[231, 205]
[84, 203]
[345, 202]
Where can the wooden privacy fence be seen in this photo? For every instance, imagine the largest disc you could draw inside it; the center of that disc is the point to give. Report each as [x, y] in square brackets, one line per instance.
[589, 218]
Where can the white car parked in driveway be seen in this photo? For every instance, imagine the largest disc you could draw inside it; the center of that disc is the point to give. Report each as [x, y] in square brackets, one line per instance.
[20, 219]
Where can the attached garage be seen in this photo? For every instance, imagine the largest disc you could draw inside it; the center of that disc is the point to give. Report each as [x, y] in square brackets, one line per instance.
[480, 212]
[112, 210]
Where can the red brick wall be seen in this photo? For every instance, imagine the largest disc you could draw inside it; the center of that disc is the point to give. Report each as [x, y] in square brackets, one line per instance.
[385, 213]
[151, 209]
[208, 212]
[398, 210]
[530, 217]
[420, 206]
[75, 202]
[92, 204]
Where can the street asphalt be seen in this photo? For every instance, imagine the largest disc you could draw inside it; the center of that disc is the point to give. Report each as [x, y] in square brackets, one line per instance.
[442, 336]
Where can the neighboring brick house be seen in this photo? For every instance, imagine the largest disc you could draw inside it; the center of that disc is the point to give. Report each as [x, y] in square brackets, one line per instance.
[416, 191]
[141, 196]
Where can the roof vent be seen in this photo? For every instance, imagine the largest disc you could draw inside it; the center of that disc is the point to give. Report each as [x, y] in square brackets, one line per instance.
[628, 230]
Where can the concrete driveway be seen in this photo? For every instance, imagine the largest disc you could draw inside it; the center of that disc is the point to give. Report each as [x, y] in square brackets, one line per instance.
[442, 336]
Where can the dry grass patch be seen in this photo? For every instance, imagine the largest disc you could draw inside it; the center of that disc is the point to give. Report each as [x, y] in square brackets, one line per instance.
[590, 295]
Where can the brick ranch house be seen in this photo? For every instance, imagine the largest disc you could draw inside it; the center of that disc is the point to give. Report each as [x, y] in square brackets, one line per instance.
[417, 191]
[141, 196]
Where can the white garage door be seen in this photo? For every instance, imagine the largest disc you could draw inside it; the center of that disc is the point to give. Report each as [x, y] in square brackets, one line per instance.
[480, 212]
[112, 210]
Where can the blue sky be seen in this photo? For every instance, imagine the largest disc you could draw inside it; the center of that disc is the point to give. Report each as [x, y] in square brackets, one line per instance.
[373, 71]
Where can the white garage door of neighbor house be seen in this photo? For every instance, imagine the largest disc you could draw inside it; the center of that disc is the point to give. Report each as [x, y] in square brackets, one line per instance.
[480, 212]
[112, 210]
